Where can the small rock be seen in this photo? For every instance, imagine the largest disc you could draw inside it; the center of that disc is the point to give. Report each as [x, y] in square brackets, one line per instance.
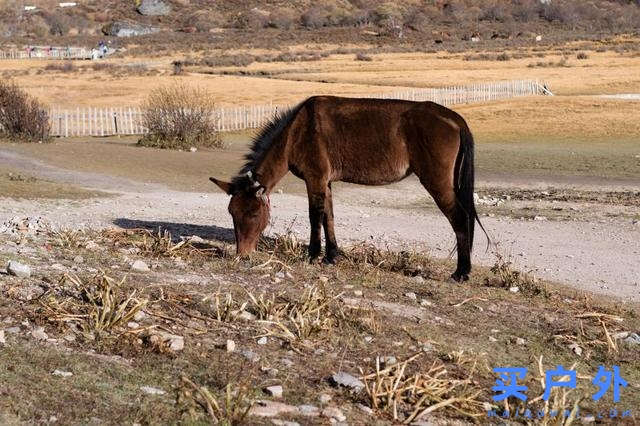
[152, 391]
[279, 422]
[411, 295]
[174, 342]
[365, 409]
[139, 266]
[334, 413]
[357, 293]
[62, 373]
[621, 335]
[154, 8]
[274, 391]
[347, 380]
[540, 218]
[262, 341]
[308, 410]
[514, 289]
[576, 349]
[324, 398]
[427, 347]
[231, 346]
[250, 355]
[266, 408]
[635, 222]
[13, 330]
[368, 339]
[91, 245]
[323, 279]
[492, 339]
[18, 269]
[246, 316]
[39, 334]
[193, 149]
[520, 341]
[139, 316]
[425, 303]
[3, 340]
[418, 279]
[286, 362]
[633, 339]
[133, 324]
[388, 360]
[78, 259]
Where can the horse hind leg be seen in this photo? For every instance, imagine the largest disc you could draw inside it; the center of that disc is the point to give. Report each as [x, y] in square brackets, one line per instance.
[331, 250]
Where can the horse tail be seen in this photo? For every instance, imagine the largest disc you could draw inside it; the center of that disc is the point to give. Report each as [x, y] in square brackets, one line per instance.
[464, 182]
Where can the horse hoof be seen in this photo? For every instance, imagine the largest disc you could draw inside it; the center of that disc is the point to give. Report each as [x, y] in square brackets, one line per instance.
[458, 278]
[329, 260]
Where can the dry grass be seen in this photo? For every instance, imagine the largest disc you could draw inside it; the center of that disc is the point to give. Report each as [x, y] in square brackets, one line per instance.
[395, 389]
[237, 402]
[339, 74]
[100, 307]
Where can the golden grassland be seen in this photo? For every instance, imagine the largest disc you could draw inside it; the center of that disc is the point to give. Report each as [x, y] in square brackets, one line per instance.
[281, 82]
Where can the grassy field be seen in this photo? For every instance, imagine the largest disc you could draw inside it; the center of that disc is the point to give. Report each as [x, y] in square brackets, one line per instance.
[17, 184]
[317, 321]
[338, 74]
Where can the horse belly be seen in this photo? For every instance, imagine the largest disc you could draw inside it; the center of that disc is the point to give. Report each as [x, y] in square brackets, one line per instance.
[377, 170]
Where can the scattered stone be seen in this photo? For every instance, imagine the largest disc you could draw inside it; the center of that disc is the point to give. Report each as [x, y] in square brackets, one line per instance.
[308, 410]
[492, 339]
[411, 295]
[633, 339]
[39, 334]
[231, 346]
[635, 222]
[388, 360]
[365, 409]
[418, 279]
[139, 316]
[250, 355]
[13, 330]
[78, 259]
[133, 324]
[368, 339]
[274, 391]
[91, 245]
[347, 380]
[3, 340]
[514, 289]
[324, 398]
[139, 266]
[127, 29]
[540, 218]
[266, 408]
[174, 342]
[278, 422]
[18, 269]
[334, 413]
[262, 340]
[193, 149]
[152, 391]
[576, 349]
[154, 8]
[358, 293]
[621, 335]
[286, 362]
[27, 293]
[62, 373]
[246, 316]
[58, 267]
[520, 341]
[323, 279]
[425, 303]
[427, 347]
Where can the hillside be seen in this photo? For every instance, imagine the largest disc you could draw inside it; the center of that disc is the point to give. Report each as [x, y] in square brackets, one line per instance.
[196, 24]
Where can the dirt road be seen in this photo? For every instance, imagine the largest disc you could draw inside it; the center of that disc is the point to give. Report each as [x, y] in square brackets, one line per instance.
[599, 254]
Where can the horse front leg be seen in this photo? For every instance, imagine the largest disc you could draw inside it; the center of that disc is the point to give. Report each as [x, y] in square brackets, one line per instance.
[331, 249]
[316, 216]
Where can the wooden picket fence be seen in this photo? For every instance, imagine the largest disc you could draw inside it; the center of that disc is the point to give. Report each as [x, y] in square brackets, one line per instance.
[90, 121]
[56, 53]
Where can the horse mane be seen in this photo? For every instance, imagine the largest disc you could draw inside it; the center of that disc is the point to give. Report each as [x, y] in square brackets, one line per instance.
[261, 143]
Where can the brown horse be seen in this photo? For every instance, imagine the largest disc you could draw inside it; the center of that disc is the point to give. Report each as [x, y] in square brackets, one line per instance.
[362, 141]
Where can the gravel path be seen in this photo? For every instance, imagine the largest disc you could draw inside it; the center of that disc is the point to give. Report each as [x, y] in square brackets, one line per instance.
[600, 256]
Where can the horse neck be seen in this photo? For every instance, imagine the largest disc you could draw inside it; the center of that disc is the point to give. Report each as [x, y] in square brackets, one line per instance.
[274, 164]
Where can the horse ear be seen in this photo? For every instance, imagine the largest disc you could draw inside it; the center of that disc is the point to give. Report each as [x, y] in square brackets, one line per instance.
[225, 186]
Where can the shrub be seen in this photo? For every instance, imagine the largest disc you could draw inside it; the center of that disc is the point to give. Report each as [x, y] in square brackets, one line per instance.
[60, 67]
[282, 19]
[363, 57]
[316, 17]
[503, 57]
[179, 117]
[582, 55]
[22, 117]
